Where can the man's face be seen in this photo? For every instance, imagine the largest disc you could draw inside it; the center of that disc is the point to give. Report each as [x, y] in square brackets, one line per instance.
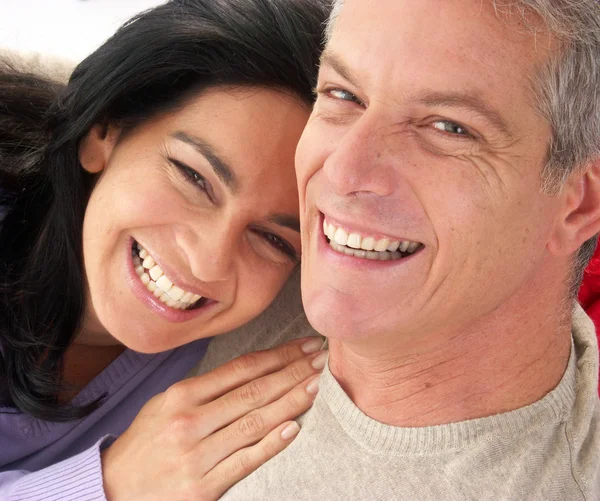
[424, 138]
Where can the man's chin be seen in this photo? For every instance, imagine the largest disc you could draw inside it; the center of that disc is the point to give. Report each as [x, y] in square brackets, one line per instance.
[339, 317]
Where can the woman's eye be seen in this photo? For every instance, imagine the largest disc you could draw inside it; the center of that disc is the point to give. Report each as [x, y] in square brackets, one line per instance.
[197, 179]
[280, 245]
[450, 128]
[192, 176]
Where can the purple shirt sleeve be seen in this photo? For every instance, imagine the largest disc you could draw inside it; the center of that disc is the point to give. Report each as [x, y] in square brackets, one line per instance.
[60, 461]
[76, 479]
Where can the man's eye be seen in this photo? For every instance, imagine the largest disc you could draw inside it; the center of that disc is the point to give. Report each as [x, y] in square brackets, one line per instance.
[451, 128]
[344, 95]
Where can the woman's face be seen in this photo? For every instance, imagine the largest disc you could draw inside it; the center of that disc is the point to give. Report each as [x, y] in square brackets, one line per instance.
[192, 227]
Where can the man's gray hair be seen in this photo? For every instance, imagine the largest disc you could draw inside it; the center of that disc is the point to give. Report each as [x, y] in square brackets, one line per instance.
[567, 89]
[336, 7]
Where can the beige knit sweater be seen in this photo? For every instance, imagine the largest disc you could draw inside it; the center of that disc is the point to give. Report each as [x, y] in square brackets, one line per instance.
[547, 451]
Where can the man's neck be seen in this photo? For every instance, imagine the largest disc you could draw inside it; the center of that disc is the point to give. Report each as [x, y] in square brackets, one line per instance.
[454, 376]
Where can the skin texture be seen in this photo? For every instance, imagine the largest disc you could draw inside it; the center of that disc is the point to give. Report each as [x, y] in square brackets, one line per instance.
[425, 129]
[203, 233]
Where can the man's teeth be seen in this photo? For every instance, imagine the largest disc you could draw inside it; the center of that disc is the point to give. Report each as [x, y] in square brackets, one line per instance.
[157, 282]
[366, 247]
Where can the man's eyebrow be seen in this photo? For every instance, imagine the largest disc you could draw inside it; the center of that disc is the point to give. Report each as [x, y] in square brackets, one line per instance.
[291, 222]
[221, 168]
[467, 101]
[329, 58]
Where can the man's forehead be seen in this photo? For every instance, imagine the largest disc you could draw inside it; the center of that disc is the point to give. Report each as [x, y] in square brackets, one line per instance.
[445, 40]
[375, 17]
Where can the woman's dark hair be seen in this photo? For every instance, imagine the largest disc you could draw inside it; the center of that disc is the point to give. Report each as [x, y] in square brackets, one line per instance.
[152, 65]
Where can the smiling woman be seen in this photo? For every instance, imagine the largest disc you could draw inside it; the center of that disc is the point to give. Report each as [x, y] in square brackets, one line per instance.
[178, 238]
[150, 204]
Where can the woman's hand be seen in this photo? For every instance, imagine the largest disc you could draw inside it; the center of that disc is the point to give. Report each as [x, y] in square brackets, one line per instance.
[204, 434]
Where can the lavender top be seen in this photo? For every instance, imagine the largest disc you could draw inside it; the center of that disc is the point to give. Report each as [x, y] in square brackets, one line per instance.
[40, 460]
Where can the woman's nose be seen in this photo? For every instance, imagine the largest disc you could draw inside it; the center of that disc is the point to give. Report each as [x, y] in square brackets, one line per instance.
[210, 250]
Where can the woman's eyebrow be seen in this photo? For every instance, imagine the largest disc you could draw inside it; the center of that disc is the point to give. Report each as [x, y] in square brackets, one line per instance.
[285, 220]
[223, 171]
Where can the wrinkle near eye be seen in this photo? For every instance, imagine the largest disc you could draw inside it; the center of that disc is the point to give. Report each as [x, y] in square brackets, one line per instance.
[488, 175]
[445, 147]
[495, 172]
[334, 117]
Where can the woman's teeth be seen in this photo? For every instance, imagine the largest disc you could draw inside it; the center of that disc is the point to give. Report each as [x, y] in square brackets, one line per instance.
[367, 247]
[158, 283]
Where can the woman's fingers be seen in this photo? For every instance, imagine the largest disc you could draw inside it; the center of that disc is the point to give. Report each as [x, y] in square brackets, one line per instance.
[243, 462]
[258, 393]
[239, 371]
[255, 425]
[235, 415]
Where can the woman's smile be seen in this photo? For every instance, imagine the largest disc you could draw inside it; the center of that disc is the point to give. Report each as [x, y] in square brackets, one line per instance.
[160, 295]
[155, 280]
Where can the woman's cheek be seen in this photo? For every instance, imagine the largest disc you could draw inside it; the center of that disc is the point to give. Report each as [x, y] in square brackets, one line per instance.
[259, 284]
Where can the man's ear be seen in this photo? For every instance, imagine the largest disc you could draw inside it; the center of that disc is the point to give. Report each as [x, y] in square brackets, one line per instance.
[97, 146]
[580, 220]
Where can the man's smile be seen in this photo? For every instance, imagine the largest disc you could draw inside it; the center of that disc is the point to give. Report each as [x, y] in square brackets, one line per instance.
[352, 243]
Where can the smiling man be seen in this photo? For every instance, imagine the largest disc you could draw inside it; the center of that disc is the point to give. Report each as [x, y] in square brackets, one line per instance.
[449, 183]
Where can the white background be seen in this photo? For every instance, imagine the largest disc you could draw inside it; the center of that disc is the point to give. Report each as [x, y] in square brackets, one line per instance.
[70, 29]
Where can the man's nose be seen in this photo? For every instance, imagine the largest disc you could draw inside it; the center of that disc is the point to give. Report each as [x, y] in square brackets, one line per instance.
[360, 163]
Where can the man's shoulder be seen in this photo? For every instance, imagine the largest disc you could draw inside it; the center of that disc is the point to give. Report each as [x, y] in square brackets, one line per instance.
[325, 462]
[549, 450]
[582, 424]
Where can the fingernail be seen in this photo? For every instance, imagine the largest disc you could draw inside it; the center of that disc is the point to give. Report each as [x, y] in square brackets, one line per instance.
[313, 386]
[320, 360]
[312, 346]
[291, 430]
